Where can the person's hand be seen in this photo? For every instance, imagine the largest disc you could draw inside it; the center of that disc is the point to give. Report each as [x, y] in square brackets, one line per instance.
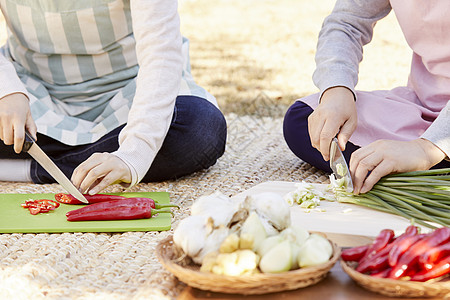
[384, 157]
[336, 114]
[99, 171]
[15, 116]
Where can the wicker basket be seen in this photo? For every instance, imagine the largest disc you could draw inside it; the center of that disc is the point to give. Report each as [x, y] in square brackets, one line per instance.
[397, 288]
[262, 283]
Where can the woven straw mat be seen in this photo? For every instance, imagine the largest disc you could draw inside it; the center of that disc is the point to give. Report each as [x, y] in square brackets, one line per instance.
[124, 265]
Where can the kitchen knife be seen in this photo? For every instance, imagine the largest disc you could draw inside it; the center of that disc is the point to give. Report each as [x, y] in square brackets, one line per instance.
[339, 166]
[36, 152]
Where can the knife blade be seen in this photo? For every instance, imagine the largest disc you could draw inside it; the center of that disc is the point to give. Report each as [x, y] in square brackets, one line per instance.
[339, 166]
[36, 152]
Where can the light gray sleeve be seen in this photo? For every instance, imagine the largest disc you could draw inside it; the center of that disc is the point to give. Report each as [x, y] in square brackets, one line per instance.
[342, 37]
[439, 131]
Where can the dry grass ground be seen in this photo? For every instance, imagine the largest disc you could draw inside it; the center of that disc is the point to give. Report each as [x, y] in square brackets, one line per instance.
[240, 48]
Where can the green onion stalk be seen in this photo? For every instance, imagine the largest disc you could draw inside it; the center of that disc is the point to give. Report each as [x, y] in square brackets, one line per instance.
[420, 196]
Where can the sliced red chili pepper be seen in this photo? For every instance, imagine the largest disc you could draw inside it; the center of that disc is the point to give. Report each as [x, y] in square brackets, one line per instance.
[411, 255]
[40, 205]
[439, 269]
[34, 210]
[67, 199]
[355, 253]
[53, 203]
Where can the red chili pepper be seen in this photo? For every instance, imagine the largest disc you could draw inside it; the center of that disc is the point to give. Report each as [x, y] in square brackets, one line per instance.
[411, 255]
[374, 264]
[125, 209]
[379, 260]
[97, 198]
[381, 274]
[433, 255]
[442, 268]
[127, 202]
[69, 199]
[384, 238]
[155, 204]
[401, 247]
[355, 253]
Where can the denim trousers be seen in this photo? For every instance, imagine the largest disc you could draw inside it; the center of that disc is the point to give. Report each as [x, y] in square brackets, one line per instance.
[195, 140]
[295, 130]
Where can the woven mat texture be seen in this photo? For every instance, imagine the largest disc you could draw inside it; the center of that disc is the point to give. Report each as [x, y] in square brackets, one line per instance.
[124, 265]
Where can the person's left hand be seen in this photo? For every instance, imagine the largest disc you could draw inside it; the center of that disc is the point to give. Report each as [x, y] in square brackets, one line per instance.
[384, 157]
[99, 171]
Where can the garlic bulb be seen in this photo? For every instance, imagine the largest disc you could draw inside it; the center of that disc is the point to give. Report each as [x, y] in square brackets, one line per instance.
[222, 209]
[196, 236]
[190, 234]
[212, 243]
[273, 210]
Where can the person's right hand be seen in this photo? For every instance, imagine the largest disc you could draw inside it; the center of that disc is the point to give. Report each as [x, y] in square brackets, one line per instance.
[15, 116]
[335, 115]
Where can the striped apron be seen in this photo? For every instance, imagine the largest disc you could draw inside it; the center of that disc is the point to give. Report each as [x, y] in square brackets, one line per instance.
[78, 63]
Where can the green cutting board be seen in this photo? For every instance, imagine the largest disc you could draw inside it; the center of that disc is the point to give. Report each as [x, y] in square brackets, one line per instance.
[16, 219]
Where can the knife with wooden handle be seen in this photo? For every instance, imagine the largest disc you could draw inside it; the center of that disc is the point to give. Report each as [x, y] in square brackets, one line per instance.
[36, 152]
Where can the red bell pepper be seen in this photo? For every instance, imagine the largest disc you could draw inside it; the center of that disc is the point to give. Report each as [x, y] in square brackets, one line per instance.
[411, 255]
[442, 268]
[355, 253]
[124, 209]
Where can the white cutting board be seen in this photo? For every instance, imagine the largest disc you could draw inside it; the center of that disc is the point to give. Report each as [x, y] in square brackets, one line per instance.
[358, 221]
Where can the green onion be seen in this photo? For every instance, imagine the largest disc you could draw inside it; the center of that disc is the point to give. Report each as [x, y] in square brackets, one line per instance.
[420, 196]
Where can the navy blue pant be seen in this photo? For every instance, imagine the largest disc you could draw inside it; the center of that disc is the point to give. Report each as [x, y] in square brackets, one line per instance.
[195, 140]
[295, 129]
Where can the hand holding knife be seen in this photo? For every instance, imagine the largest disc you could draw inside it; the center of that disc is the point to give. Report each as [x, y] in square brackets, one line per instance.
[36, 152]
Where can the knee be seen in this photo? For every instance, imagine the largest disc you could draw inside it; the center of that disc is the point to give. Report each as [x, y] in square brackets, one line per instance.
[295, 124]
[207, 131]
